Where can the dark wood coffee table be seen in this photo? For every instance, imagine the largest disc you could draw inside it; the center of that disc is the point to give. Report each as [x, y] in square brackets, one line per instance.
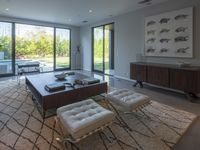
[52, 100]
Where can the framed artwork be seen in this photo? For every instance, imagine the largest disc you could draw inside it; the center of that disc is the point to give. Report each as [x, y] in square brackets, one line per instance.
[170, 34]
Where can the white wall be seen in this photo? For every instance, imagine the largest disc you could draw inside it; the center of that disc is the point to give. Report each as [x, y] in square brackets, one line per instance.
[86, 38]
[129, 36]
[75, 35]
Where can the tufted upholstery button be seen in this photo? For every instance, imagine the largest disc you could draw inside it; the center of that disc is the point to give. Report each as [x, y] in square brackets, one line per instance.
[82, 117]
[127, 98]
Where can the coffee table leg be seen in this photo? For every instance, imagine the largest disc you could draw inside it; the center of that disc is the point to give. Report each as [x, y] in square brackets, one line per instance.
[39, 108]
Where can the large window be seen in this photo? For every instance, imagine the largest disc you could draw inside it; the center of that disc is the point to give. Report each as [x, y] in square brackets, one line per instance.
[49, 46]
[6, 52]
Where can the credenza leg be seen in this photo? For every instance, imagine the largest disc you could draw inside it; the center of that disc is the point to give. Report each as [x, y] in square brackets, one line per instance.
[141, 84]
[138, 82]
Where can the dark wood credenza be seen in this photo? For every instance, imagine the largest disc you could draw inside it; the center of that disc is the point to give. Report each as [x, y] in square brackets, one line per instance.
[185, 79]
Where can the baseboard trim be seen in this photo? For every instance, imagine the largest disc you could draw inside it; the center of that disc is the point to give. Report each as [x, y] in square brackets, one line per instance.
[124, 78]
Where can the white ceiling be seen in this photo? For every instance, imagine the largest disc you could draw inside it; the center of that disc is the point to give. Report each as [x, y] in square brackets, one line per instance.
[71, 12]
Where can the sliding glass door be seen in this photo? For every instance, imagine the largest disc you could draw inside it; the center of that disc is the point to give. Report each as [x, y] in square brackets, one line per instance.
[62, 52]
[6, 49]
[103, 49]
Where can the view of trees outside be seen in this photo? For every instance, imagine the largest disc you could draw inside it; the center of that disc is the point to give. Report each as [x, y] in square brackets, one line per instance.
[5, 48]
[98, 48]
[34, 43]
[62, 48]
[107, 48]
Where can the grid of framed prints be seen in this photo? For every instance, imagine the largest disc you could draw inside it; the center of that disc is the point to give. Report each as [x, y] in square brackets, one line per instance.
[170, 34]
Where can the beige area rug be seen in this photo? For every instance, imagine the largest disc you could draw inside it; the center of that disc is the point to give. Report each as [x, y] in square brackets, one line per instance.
[22, 128]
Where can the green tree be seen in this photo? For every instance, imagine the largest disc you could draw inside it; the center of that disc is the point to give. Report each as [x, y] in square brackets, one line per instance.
[6, 46]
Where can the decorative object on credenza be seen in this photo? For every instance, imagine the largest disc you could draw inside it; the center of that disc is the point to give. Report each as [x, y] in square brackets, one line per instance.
[170, 34]
[183, 64]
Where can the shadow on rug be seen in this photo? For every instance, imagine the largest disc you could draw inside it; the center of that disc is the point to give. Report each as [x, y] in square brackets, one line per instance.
[22, 128]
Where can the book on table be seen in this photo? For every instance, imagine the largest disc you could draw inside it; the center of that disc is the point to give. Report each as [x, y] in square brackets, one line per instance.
[52, 87]
[90, 81]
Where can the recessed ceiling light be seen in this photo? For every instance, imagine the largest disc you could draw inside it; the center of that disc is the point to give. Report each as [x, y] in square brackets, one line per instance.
[145, 2]
[148, 3]
[7, 9]
[85, 21]
[90, 11]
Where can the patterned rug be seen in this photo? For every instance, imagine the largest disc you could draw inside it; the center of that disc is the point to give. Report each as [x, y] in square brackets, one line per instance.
[22, 128]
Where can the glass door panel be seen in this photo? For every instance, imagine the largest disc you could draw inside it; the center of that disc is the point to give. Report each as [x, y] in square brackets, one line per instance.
[109, 49]
[98, 53]
[6, 52]
[106, 50]
[62, 59]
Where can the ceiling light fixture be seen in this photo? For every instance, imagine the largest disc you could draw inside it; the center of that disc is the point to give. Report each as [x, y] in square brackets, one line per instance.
[90, 11]
[145, 2]
[7, 9]
[85, 21]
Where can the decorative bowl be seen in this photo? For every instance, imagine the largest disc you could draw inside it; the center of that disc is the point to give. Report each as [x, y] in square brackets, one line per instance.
[60, 76]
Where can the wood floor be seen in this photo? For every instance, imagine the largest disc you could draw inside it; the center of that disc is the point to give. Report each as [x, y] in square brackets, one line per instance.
[191, 139]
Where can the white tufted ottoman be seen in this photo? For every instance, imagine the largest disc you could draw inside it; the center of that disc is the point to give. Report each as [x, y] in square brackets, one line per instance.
[126, 98]
[83, 118]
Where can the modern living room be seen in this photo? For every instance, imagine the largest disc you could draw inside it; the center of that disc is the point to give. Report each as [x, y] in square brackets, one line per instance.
[105, 75]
